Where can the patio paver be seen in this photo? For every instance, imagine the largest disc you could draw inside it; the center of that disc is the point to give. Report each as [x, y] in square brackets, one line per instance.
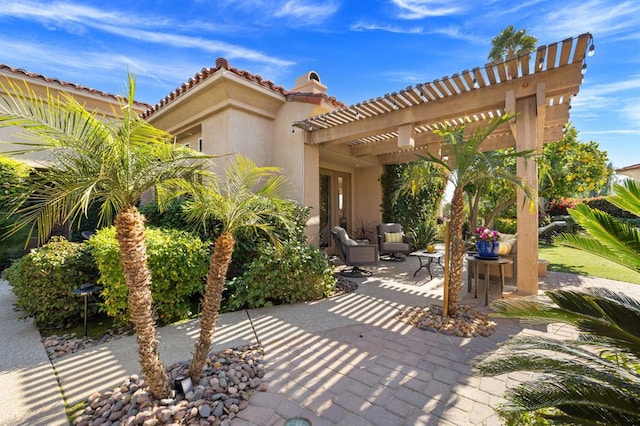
[341, 361]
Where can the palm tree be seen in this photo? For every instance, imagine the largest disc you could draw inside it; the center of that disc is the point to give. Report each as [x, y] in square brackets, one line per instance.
[249, 199]
[111, 162]
[509, 42]
[595, 379]
[466, 166]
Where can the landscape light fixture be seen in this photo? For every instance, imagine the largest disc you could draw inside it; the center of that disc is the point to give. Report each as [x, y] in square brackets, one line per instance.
[182, 384]
[86, 290]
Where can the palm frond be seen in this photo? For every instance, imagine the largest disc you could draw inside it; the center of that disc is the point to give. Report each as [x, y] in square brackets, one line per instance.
[111, 161]
[592, 380]
[608, 237]
[627, 196]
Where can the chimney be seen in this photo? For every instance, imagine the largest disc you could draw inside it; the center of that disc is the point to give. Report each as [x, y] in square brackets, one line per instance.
[222, 63]
[309, 83]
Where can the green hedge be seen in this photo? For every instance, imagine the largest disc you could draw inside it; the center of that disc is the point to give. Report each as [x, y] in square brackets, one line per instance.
[14, 177]
[178, 262]
[559, 208]
[411, 211]
[44, 279]
[295, 273]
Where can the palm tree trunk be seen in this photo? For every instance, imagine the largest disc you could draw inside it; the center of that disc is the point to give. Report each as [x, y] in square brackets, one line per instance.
[457, 250]
[220, 260]
[133, 256]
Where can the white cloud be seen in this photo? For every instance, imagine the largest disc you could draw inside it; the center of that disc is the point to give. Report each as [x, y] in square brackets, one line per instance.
[616, 97]
[418, 9]
[128, 26]
[598, 17]
[363, 26]
[457, 32]
[305, 12]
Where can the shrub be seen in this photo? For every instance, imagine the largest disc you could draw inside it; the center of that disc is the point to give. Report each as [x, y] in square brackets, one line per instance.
[178, 262]
[246, 243]
[560, 208]
[13, 175]
[44, 279]
[411, 210]
[296, 273]
[172, 217]
[506, 225]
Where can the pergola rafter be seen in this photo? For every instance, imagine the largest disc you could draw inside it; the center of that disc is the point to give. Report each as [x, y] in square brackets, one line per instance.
[398, 127]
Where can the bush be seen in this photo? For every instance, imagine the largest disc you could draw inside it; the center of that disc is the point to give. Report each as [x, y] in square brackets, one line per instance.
[246, 243]
[14, 176]
[296, 273]
[506, 225]
[178, 262]
[172, 217]
[411, 210]
[559, 208]
[44, 279]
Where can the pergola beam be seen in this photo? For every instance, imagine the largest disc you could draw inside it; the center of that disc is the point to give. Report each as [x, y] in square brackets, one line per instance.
[561, 82]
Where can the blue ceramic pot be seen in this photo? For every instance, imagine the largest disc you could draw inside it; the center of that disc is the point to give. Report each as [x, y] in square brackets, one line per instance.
[488, 248]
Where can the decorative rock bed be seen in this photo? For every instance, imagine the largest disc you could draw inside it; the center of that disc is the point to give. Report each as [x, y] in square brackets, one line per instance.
[343, 286]
[60, 345]
[230, 378]
[467, 322]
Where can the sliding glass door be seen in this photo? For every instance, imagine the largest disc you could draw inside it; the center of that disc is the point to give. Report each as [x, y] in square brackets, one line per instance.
[335, 203]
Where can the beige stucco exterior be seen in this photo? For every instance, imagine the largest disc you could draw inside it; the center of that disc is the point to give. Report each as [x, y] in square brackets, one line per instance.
[229, 111]
[231, 114]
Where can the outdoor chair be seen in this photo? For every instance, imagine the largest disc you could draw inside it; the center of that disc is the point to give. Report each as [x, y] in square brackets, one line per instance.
[354, 254]
[392, 242]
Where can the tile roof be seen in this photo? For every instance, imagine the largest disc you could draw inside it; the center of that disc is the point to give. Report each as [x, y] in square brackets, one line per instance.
[64, 84]
[629, 168]
[222, 63]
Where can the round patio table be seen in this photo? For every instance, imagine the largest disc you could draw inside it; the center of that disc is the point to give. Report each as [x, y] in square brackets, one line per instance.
[474, 263]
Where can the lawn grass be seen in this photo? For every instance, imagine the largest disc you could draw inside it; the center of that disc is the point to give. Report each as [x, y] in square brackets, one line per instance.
[567, 259]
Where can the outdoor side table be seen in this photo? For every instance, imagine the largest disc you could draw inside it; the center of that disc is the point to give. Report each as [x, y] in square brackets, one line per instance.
[429, 258]
[474, 263]
[85, 291]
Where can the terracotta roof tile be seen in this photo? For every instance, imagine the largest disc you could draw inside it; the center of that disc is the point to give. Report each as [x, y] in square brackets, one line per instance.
[222, 63]
[64, 84]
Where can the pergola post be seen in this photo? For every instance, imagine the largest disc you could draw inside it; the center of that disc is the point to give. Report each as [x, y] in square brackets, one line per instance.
[527, 219]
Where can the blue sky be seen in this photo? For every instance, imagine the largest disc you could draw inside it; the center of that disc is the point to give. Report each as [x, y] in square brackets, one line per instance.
[360, 49]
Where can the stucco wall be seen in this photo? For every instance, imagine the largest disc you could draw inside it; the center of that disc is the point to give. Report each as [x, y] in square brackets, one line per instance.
[367, 196]
[311, 196]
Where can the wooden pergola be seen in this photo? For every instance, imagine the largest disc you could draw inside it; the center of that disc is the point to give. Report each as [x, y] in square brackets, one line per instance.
[397, 127]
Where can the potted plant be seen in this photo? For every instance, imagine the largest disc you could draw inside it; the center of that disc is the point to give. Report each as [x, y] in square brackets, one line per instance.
[487, 242]
[423, 236]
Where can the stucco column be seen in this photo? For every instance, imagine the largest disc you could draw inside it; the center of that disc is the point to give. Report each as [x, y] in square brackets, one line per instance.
[527, 169]
[311, 192]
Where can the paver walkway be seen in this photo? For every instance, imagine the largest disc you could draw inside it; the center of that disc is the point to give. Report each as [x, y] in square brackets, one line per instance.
[343, 361]
[29, 392]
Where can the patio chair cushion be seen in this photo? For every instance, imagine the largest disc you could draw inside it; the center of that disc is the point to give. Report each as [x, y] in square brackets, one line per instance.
[344, 237]
[507, 243]
[393, 237]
